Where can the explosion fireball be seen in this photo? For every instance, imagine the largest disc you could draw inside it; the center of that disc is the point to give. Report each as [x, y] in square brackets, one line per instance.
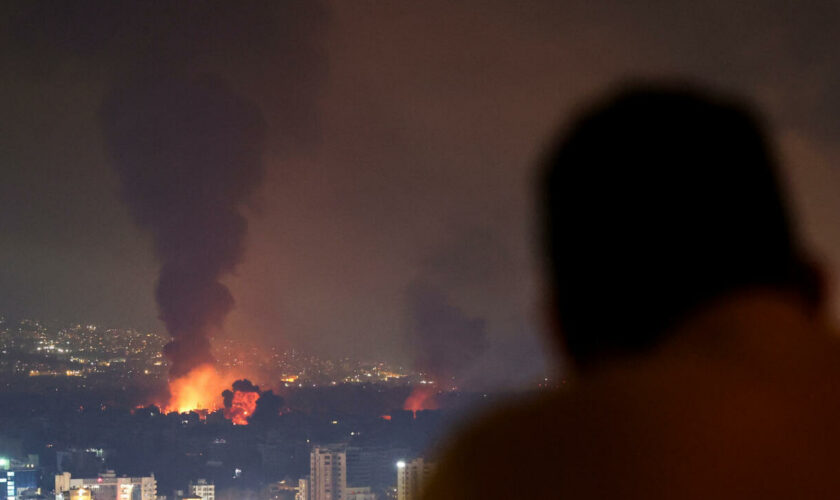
[242, 406]
[241, 402]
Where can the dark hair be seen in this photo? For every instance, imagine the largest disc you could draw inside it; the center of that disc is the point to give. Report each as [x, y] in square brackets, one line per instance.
[657, 201]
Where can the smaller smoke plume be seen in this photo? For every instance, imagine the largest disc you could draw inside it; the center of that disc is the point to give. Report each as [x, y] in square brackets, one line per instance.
[444, 340]
[269, 407]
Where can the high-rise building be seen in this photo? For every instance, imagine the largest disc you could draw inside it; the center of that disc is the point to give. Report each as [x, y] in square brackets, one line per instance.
[106, 486]
[327, 472]
[411, 475]
[303, 489]
[372, 466]
[204, 490]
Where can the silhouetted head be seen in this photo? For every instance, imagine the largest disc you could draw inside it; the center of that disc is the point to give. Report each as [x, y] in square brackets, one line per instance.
[658, 201]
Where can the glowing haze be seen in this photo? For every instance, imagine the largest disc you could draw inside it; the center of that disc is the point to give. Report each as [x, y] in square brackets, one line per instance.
[421, 398]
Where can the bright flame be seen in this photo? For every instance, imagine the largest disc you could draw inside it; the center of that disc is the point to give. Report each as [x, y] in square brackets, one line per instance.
[201, 388]
[421, 398]
[242, 407]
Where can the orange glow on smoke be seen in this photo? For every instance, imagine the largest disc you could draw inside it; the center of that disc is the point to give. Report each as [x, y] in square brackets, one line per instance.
[421, 398]
[242, 407]
[200, 389]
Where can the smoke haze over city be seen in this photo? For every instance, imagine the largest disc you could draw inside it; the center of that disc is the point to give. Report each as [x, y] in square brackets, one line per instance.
[399, 149]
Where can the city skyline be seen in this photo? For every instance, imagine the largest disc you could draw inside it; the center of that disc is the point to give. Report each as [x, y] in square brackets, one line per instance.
[331, 250]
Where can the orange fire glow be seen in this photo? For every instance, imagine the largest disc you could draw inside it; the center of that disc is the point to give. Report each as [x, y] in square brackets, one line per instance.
[200, 389]
[242, 407]
[421, 398]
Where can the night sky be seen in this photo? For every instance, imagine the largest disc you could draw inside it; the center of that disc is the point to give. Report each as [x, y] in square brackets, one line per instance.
[399, 141]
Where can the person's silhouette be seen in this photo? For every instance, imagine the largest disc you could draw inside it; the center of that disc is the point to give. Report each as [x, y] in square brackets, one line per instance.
[700, 361]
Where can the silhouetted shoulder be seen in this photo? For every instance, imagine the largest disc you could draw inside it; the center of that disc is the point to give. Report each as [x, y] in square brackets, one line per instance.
[741, 403]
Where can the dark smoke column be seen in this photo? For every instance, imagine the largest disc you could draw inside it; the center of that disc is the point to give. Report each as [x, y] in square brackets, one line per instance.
[188, 153]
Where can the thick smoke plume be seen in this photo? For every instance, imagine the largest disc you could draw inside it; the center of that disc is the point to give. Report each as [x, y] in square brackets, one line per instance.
[188, 154]
[187, 147]
[445, 341]
[269, 407]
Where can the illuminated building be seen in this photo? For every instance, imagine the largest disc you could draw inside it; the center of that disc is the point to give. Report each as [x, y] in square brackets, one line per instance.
[204, 490]
[8, 480]
[327, 473]
[303, 489]
[107, 486]
[16, 478]
[411, 475]
[75, 494]
[359, 494]
[283, 490]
